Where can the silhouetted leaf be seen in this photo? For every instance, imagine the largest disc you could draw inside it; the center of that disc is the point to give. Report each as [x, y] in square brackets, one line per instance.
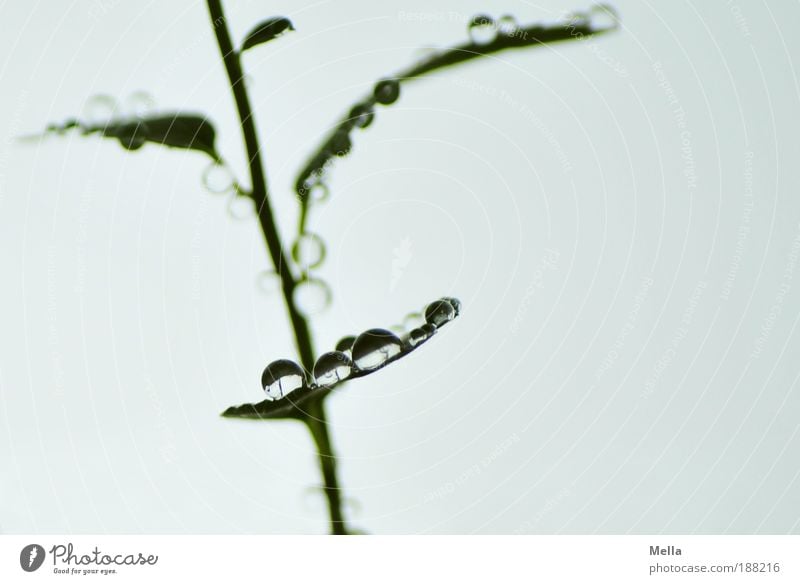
[357, 357]
[266, 31]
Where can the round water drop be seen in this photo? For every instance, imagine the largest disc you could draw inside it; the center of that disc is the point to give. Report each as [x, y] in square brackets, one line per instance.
[100, 110]
[386, 91]
[312, 296]
[139, 104]
[308, 250]
[507, 25]
[362, 115]
[217, 178]
[282, 377]
[269, 281]
[241, 207]
[318, 191]
[421, 334]
[332, 368]
[374, 348]
[455, 303]
[439, 313]
[482, 29]
[345, 345]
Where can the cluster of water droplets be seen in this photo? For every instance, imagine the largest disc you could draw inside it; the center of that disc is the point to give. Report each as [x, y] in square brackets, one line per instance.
[359, 355]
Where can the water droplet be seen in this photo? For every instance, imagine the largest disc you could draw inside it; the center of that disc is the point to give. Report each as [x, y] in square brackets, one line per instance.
[318, 192]
[282, 377]
[332, 367]
[439, 312]
[269, 281]
[217, 178]
[312, 296]
[603, 17]
[507, 25]
[241, 207]
[308, 250]
[413, 320]
[421, 334]
[100, 110]
[361, 116]
[139, 104]
[345, 345]
[482, 29]
[455, 303]
[374, 348]
[386, 91]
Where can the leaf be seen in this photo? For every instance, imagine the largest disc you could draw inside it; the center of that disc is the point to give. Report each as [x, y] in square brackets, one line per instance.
[295, 404]
[266, 31]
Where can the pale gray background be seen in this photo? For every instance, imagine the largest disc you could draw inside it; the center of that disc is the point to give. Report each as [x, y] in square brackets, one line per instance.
[644, 381]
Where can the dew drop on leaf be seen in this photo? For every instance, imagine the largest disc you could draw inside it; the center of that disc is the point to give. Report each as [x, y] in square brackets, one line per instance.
[318, 192]
[241, 207]
[455, 303]
[482, 29]
[312, 296]
[282, 377]
[332, 367]
[345, 345]
[308, 250]
[100, 110]
[386, 91]
[373, 348]
[140, 104]
[421, 334]
[439, 312]
[362, 115]
[507, 25]
[217, 178]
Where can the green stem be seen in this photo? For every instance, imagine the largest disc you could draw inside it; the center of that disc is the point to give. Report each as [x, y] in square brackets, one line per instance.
[315, 418]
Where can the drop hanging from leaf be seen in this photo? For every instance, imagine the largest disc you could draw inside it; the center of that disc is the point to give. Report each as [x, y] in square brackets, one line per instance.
[266, 31]
[374, 348]
[332, 367]
[282, 377]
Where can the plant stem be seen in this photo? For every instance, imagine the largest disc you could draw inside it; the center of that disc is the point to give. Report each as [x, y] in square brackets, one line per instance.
[314, 418]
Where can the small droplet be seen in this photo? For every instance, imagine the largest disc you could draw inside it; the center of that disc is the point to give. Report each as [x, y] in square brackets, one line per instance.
[386, 91]
[374, 348]
[282, 377]
[413, 320]
[139, 104]
[312, 296]
[361, 116]
[507, 25]
[217, 178]
[269, 281]
[332, 368]
[455, 303]
[100, 110]
[603, 17]
[482, 29]
[421, 334]
[241, 207]
[308, 250]
[318, 192]
[439, 313]
[345, 345]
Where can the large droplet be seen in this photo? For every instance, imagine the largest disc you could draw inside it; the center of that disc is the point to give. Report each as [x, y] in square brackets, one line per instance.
[312, 296]
[386, 91]
[217, 178]
[140, 104]
[482, 29]
[507, 25]
[455, 303]
[421, 334]
[332, 368]
[361, 115]
[374, 348]
[282, 377]
[100, 110]
[439, 312]
[308, 250]
[345, 345]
